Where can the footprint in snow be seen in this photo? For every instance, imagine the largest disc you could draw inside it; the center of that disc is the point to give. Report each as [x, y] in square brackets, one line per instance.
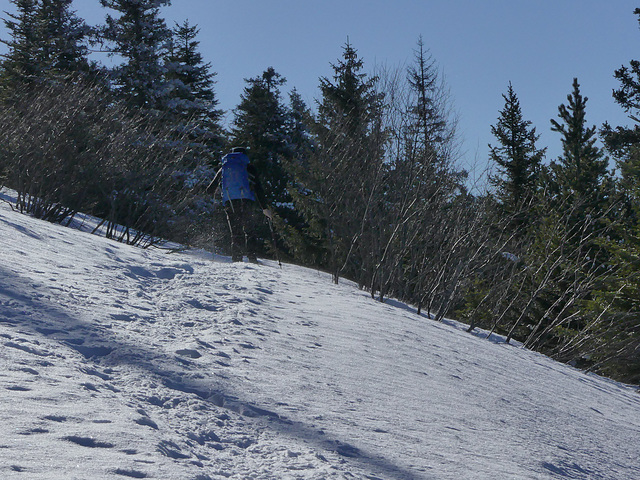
[189, 352]
[55, 418]
[146, 421]
[34, 430]
[27, 349]
[124, 317]
[130, 473]
[29, 370]
[90, 371]
[89, 386]
[18, 388]
[171, 450]
[205, 344]
[87, 442]
[195, 303]
[89, 351]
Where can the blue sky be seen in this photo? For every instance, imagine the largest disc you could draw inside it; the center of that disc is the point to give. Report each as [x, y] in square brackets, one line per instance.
[480, 46]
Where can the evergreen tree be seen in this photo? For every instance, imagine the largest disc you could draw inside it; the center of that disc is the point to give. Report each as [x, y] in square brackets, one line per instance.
[429, 123]
[140, 36]
[298, 126]
[20, 63]
[623, 142]
[618, 140]
[47, 40]
[342, 177]
[612, 338]
[580, 174]
[290, 224]
[260, 125]
[192, 97]
[349, 102]
[567, 250]
[421, 185]
[517, 157]
[63, 36]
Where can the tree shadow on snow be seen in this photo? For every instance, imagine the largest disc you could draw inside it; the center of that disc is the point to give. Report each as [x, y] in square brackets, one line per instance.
[477, 332]
[33, 318]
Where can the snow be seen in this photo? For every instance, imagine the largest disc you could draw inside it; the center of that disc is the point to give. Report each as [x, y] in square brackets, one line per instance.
[118, 362]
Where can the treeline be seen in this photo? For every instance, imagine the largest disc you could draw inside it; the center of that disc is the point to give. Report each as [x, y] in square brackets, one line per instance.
[365, 185]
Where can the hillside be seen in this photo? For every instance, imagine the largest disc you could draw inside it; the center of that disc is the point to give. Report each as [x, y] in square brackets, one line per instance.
[119, 362]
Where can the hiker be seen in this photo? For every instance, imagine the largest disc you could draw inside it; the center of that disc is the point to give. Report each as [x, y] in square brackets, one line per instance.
[242, 194]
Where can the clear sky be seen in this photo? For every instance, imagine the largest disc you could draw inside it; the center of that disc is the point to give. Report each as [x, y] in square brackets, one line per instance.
[480, 46]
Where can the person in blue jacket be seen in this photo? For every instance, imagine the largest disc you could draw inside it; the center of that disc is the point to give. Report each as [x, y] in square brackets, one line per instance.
[242, 194]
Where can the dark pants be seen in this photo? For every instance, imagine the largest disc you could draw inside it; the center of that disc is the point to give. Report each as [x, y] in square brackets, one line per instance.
[242, 216]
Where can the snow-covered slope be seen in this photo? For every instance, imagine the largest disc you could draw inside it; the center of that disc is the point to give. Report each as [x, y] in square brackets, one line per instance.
[118, 362]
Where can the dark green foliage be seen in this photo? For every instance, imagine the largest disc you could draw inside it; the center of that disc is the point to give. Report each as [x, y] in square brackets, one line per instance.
[140, 37]
[260, 125]
[423, 195]
[349, 102]
[580, 175]
[47, 41]
[20, 63]
[620, 139]
[545, 295]
[340, 178]
[518, 160]
[192, 97]
[429, 128]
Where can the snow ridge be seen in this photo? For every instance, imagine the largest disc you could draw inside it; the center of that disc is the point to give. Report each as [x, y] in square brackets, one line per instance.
[127, 363]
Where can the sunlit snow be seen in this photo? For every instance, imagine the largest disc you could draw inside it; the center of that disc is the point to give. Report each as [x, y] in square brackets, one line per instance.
[118, 362]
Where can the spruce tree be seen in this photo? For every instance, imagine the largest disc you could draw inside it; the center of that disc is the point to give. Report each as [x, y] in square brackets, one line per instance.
[422, 183]
[429, 123]
[613, 344]
[624, 142]
[260, 125]
[20, 63]
[63, 36]
[298, 126]
[620, 139]
[140, 37]
[350, 101]
[517, 158]
[580, 173]
[192, 98]
[567, 252]
[47, 40]
[341, 177]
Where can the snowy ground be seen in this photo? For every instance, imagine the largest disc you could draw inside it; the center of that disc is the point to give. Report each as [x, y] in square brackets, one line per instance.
[118, 362]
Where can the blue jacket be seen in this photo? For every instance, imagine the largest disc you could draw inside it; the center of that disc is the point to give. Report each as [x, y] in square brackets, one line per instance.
[235, 183]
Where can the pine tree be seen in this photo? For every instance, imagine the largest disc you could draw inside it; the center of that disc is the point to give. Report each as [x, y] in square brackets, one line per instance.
[567, 252]
[517, 157]
[580, 174]
[429, 123]
[192, 98]
[620, 139]
[140, 36]
[63, 36]
[350, 101]
[260, 126]
[298, 126]
[623, 142]
[47, 40]
[341, 178]
[421, 185]
[290, 223]
[20, 64]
